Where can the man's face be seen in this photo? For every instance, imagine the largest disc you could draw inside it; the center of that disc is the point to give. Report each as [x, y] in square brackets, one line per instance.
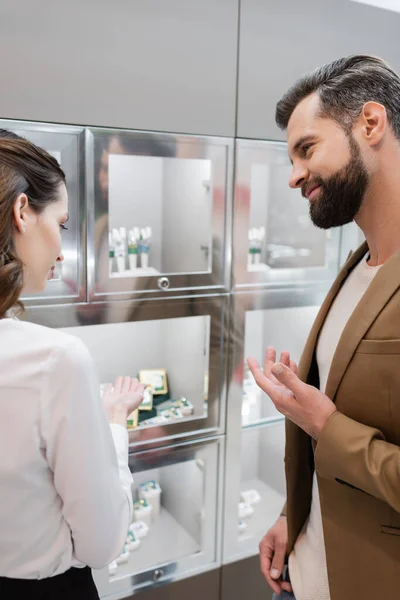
[327, 165]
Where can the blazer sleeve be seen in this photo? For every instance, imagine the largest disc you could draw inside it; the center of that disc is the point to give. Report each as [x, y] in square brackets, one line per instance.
[359, 456]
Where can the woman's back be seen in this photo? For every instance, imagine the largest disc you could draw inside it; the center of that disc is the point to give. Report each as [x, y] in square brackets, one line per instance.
[48, 417]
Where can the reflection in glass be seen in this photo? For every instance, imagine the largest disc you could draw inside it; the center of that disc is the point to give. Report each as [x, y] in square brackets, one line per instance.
[284, 328]
[281, 234]
[176, 347]
[160, 215]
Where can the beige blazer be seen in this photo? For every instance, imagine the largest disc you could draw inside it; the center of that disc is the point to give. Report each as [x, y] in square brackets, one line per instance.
[357, 457]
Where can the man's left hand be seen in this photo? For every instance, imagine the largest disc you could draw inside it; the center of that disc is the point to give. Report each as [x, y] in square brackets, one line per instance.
[303, 404]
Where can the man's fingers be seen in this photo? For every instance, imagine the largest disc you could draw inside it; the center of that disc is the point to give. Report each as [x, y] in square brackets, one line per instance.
[265, 564]
[261, 380]
[286, 376]
[279, 394]
[270, 359]
[285, 358]
[253, 364]
[293, 366]
[278, 561]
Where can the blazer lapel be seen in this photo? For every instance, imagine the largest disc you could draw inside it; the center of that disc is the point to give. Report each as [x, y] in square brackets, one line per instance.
[383, 286]
[297, 441]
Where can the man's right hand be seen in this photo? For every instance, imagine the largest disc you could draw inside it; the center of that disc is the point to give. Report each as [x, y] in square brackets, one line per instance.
[273, 549]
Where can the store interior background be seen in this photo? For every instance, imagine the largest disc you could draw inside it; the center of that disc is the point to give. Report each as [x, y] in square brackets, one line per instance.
[212, 68]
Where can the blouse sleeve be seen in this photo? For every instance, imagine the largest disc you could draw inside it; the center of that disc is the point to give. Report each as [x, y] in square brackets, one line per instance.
[88, 458]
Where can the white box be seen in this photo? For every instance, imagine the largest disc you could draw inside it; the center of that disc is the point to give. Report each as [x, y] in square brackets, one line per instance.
[150, 491]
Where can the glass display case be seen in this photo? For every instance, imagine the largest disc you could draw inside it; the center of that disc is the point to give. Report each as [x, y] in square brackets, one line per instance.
[146, 285]
[254, 473]
[160, 212]
[179, 347]
[66, 144]
[275, 242]
[176, 525]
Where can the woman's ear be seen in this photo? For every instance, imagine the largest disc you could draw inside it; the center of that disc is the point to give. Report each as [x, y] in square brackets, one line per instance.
[20, 212]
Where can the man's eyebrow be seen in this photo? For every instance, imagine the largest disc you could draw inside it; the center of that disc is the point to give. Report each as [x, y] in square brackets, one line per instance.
[301, 141]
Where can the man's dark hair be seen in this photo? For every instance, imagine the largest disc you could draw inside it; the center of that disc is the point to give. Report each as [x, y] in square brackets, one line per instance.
[343, 87]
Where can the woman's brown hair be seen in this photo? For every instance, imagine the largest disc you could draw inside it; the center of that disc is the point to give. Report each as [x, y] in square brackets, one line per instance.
[24, 169]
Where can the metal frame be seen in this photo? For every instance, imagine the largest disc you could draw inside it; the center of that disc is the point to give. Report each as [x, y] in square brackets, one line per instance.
[202, 561]
[74, 242]
[122, 288]
[247, 153]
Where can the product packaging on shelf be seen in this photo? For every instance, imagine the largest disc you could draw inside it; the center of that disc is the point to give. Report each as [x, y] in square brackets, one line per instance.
[123, 558]
[245, 510]
[250, 497]
[142, 511]
[150, 492]
[139, 529]
[132, 543]
[242, 526]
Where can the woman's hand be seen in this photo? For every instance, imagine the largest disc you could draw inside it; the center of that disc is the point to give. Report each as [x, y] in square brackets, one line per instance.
[122, 398]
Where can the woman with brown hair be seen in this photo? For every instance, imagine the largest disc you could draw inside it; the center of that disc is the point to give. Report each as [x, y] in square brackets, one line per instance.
[65, 484]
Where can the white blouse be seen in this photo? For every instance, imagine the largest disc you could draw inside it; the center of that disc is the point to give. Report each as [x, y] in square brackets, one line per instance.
[65, 484]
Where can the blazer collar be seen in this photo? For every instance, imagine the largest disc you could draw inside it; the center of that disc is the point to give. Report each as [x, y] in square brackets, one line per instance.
[385, 283]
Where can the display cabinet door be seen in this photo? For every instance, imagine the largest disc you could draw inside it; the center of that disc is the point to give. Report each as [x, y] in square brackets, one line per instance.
[176, 518]
[254, 469]
[278, 318]
[255, 477]
[66, 144]
[179, 347]
[275, 243]
[159, 212]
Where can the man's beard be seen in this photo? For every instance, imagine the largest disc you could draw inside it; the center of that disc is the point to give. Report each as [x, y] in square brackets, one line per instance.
[340, 196]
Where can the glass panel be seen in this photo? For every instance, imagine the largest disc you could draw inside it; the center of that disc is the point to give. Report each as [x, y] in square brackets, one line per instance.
[285, 329]
[174, 525]
[159, 209]
[275, 241]
[281, 234]
[262, 480]
[153, 205]
[172, 355]
[168, 510]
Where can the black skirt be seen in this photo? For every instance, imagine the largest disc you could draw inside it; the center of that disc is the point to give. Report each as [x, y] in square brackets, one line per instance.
[75, 584]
